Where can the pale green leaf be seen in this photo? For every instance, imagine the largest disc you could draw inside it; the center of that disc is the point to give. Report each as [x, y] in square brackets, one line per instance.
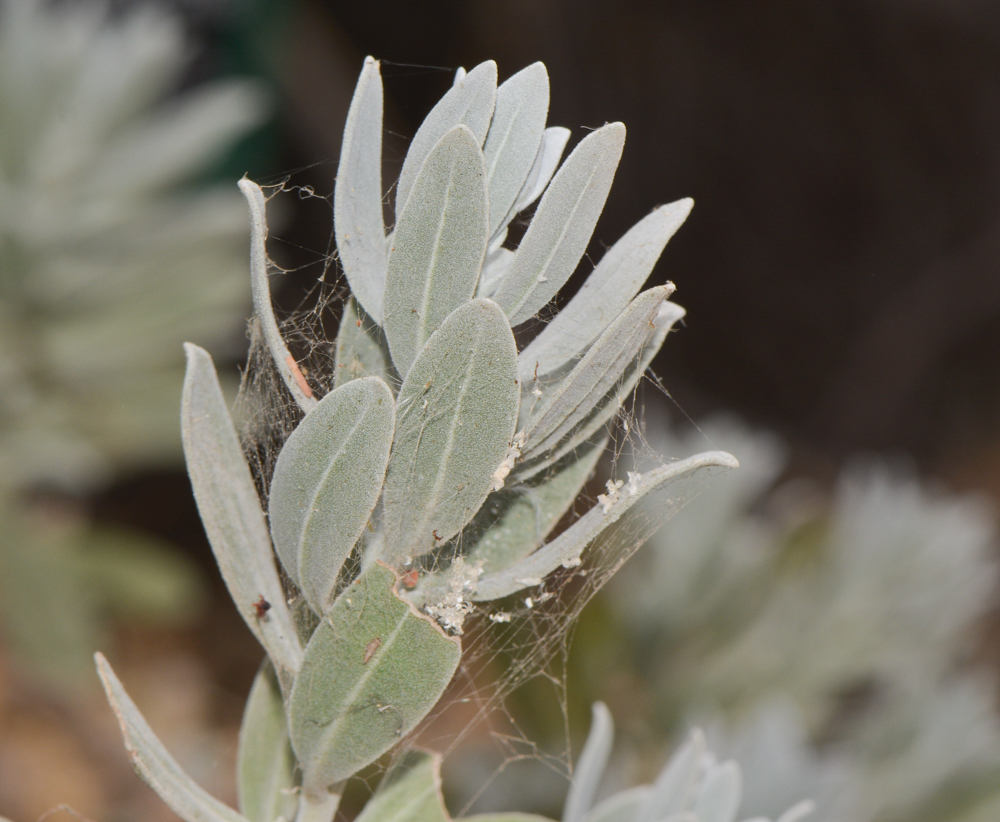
[579, 393]
[438, 246]
[719, 796]
[589, 770]
[231, 513]
[567, 548]
[265, 765]
[550, 152]
[412, 794]
[514, 138]
[373, 669]
[456, 414]
[154, 765]
[621, 807]
[361, 349]
[496, 264]
[607, 291]
[674, 789]
[470, 103]
[357, 198]
[326, 482]
[562, 225]
[264, 310]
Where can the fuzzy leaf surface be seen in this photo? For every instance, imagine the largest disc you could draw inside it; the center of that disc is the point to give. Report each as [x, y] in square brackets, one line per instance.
[570, 544]
[373, 669]
[413, 796]
[438, 246]
[550, 152]
[591, 379]
[589, 770]
[357, 198]
[455, 418]
[230, 510]
[327, 480]
[514, 138]
[470, 103]
[361, 349]
[495, 266]
[606, 292]
[265, 765]
[152, 762]
[562, 225]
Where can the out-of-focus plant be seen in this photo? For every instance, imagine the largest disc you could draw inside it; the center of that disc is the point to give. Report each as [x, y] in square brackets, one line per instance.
[857, 615]
[108, 256]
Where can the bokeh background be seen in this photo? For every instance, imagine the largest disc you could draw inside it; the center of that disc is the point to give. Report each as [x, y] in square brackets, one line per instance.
[841, 273]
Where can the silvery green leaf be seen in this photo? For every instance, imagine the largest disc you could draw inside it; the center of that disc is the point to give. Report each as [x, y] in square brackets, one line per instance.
[230, 511]
[455, 417]
[546, 162]
[589, 770]
[357, 199]
[567, 548]
[514, 138]
[562, 225]
[438, 246]
[798, 811]
[470, 103]
[719, 797]
[361, 349]
[576, 396]
[265, 765]
[373, 669]
[674, 789]
[283, 360]
[510, 816]
[154, 765]
[326, 482]
[411, 796]
[621, 807]
[521, 516]
[495, 265]
[607, 291]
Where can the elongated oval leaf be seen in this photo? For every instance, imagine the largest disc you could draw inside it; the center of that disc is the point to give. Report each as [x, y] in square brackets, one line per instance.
[230, 511]
[605, 294]
[621, 807]
[154, 765]
[263, 309]
[357, 198]
[589, 770]
[373, 669]
[567, 548]
[550, 152]
[265, 765]
[361, 349]
[326, 482]
[413, 795]
[469, 102]
[438, 246]
[495, 266]
[720, 794]
[456, 413]
[514, 138]
[588, 382]
[674, 789]
[562, 225]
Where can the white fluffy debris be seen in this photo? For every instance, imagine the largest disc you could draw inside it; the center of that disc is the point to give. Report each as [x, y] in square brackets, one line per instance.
[501, 616]
[454, 606]
[572, 562]
[609, 499]
[505, 467]
[529, 581]
[633, 483]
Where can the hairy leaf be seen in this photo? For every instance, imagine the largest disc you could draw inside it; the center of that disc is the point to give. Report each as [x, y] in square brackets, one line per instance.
[570, 544]
[456, 413]
[438, 246]
[357, 199]
[230, 511]
[469, 102]
[327, 480]
[514, 138]
[588, 771]
[496, 264]
[154, 765]
[411, 795]
[550, 152]
[265, 765]
[361, 349]
[605, 294]
[373, 669]
[562, 225]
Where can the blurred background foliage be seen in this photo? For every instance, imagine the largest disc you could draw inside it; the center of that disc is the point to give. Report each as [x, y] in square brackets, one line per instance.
[829, 612]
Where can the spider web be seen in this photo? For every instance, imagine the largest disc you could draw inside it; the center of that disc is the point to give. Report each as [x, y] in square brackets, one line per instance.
[505, 644]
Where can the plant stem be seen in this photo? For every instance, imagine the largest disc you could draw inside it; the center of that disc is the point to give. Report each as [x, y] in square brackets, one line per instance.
[318, 806]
